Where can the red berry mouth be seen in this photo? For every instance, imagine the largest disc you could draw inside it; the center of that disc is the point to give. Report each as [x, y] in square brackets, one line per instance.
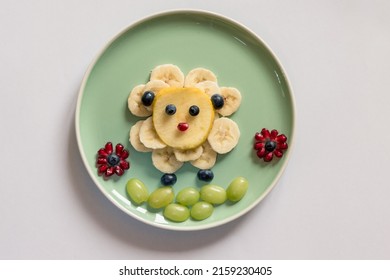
[183, 126]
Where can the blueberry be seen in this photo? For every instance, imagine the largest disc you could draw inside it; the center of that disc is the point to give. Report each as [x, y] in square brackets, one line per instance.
[217, 101]
[205, 175]
[147, 98]
[168, 179]
[270, 146]
[113, 159]
[194, 110]
[170, 109]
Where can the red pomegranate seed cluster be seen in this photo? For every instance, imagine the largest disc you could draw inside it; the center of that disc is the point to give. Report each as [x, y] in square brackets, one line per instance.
[269, 144]
[110, 161]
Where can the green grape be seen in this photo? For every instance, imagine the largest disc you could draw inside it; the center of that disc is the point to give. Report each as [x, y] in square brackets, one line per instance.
[188, 196]
[137, 191]
[213, 194]
[176, 212]
[237, 189]
[161, 197]
[201, 210]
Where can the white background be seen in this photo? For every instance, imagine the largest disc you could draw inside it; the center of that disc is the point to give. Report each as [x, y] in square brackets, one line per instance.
[332, 201]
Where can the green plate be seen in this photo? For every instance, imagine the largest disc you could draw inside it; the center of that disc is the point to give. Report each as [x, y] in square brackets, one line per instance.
[188, 39]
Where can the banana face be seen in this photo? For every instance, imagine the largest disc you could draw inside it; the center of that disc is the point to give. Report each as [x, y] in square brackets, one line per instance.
[185, 125]
[182, 117]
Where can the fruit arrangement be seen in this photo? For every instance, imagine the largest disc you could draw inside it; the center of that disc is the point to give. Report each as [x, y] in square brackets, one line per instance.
[187, 119]
[110, 161]
[267, 144]
[189, 202]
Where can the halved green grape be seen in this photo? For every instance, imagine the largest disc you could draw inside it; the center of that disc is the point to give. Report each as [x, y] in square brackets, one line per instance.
[237, 189]
[213, 194]
[188, 196]
[176, 212]
[161, 197]
[201, 210]
[137, 191]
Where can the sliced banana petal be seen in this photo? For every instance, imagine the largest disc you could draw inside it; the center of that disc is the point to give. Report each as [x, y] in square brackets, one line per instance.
[208, 87]
[154, 86]
[165, 160]
[207, 159]
[187, 155]
[135, 104]
[135, 139]
[232, 100]
[199, 75]
[168, 73]
[148, 135]
[224, 135]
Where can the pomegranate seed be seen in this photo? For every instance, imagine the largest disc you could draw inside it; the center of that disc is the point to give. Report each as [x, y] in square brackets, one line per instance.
[258, 145]
[109, 171]
[102, 168]
[259, 136]
[118, 170]
[183, 126]
[124, 164]
[118, 149]
[124, 154]
[108, 148]
[261, 153]
[101, 160]
[268, 157]
[265, 133]
[274, 133]
[102, 152]
[282, 146]
[281, 138]
[278, 153]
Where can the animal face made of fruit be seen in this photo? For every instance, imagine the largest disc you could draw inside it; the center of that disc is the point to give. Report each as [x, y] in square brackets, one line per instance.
[186, 118]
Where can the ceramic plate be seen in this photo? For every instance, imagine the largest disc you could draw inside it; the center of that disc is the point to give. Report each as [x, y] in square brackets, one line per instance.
[188, 39]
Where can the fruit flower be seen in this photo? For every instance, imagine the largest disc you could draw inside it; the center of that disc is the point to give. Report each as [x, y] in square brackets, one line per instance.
[187, 119]
[109, 161]
[269, 144]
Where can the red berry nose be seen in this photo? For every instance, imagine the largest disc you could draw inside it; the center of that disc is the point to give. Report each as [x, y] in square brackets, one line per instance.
[183, 126]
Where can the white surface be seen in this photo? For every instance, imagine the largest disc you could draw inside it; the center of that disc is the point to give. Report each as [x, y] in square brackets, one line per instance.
[331, 203]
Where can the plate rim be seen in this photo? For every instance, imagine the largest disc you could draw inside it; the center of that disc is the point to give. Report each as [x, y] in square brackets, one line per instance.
[103, 49]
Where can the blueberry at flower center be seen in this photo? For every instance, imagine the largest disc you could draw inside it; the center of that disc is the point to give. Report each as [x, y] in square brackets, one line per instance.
[270, 146]
[113, 159]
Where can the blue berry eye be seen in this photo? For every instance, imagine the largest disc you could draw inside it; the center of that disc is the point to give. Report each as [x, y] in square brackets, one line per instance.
[147, 98]
[194, 110]
[217, 101]
[170, 109]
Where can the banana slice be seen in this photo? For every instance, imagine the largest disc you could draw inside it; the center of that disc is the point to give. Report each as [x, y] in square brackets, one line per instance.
[148, 135]
[199, 75]
[135, 104]
[165, 160]
[168, 73]
[135, 140]
[154, 86]
[232, 100]
[187, 155]
[207, 159]
[208, 87]
[224, 135]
